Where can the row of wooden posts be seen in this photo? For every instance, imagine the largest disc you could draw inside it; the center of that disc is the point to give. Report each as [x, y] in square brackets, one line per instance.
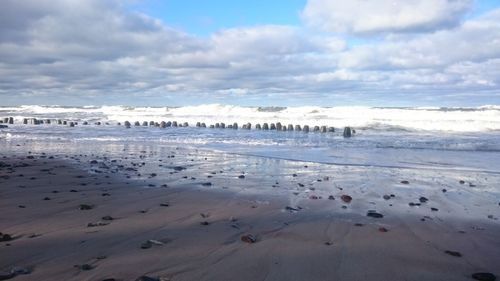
[248, 126]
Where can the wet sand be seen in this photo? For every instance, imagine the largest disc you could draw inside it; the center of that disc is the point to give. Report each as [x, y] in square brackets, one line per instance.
[95, 217]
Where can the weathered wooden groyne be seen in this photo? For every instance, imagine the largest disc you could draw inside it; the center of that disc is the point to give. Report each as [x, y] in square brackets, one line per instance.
[347, 132]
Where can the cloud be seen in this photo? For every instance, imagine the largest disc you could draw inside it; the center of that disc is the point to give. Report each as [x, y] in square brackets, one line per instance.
[98, 51]
[365, 17]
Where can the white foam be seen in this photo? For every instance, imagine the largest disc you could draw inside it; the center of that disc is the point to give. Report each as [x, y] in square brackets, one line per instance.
[484, 118]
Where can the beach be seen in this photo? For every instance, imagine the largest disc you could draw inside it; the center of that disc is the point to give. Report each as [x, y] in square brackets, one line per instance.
[126, 211]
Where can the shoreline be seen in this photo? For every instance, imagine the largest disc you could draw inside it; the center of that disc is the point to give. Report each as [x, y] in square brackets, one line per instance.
[315, 239]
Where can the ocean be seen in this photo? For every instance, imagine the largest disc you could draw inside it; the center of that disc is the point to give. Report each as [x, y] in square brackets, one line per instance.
[422, 137]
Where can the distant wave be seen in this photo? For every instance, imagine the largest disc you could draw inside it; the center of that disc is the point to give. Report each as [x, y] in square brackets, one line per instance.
[433, 119]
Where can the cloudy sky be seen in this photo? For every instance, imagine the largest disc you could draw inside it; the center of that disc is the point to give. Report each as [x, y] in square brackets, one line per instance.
[260, 52]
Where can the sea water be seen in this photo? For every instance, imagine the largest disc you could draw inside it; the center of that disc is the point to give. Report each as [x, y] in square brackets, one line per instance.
[425, 138]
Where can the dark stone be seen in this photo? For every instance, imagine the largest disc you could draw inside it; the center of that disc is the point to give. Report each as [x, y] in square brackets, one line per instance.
[86, 267]
[331, 197]
[146, 245]
[298, 128]
[347, 132]
[383, 229]
[292, 209]
[462, 182]
[5, 237]
[413, 204]
[331, 129]
[206, 184]
[249, 238]
[316, 129]
[86, 207]
[434, 209]
[423, 199]
[107, 218]
[145, 123]
[235, 126]
[163, 124]
[198, 124]
[127, 124]
[20, 270]
[174, 123]
[484, 276]
[204, 223]
[185, 124]
[241, 176]
[453, 253]
[374, 215]
[222, 125]
[279, 126]
[273, 126]
[6, 275]
[387, 197]
[306, 129]
[136, 123]
[323, 129]
[346, 198]
[147, 278]
[257, 127]
[265, 126]
[405, 182]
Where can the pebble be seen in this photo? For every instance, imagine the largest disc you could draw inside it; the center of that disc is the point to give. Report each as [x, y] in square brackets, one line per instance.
[86, 207]
[147, 278]
[107, 218]
[387, 197]
[453, 253]
[346, 198]
[484, 276]
[382, 229]
[6, 275]
[5, 237]
[146, 245]
[249, 238]
[374, 214]
[423, 199]
[85, 267]
[20, 270]
[405, 182]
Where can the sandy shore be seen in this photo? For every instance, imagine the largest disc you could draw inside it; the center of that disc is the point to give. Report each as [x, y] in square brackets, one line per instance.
[97, 217]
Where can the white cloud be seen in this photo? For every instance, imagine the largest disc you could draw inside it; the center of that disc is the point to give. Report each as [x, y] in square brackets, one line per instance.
[367, 17]
[98, 50]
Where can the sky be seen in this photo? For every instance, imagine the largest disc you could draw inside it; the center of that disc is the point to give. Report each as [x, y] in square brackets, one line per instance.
[281, 52]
